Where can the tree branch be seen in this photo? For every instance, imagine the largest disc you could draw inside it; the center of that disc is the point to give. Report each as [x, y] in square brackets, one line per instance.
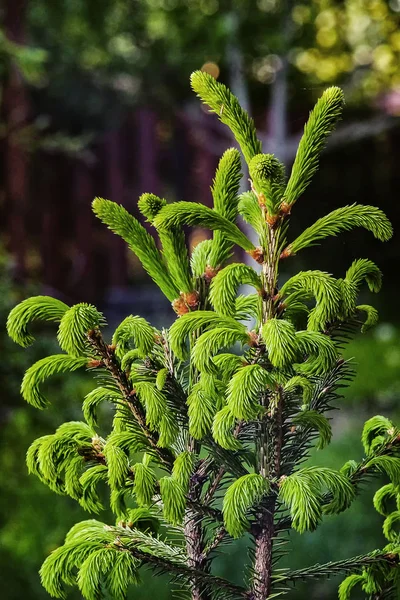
[338, 567]
[110, 363]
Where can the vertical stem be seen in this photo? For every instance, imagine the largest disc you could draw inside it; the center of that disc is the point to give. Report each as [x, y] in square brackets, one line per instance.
[268, 443]
[193, 531]
[193, 528]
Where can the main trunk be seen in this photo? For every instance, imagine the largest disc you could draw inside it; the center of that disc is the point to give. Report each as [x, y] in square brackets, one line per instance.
[194, 542]
[263, 552]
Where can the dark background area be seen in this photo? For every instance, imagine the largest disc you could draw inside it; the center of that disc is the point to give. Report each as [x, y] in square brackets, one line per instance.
[95, 100]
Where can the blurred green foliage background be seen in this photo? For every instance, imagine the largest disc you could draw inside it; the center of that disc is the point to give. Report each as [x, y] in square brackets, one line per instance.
[73, 71]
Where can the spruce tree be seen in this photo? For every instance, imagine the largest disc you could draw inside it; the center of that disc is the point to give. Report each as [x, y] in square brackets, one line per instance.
[214, 416]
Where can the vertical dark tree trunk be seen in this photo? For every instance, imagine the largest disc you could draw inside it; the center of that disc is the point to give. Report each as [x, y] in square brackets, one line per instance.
[52, 236]
[147, 175]
[15, 112]
[115, 191]
[83, 227]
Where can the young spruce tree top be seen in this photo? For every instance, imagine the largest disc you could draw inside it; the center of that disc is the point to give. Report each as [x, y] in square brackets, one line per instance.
[215, 416]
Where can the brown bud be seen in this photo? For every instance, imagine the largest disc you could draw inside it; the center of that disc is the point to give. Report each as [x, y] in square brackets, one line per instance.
[293, 428]
[93, 363]
[180, 307]
[117, 542]
[281, 480]
[112, 347]
[210, 272]
[257, 254]
[285, 208]
[96, 443]
[272, 220]
[253, 338]
[286, 253]
[191, 299]
[392, 556]
[261, 199]
[159, 339]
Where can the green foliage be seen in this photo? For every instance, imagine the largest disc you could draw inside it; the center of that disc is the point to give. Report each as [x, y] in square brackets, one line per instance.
[150, 205]
[144, 484]
[224, 191]
[31, 309]
[182, 469]
[320, 124]
[244, 390]
[178, 214]
[94, 398]
[320, 351]
[383, 496]
[239, 498]
[139, 241]
[225, 284]
[210, 342]
[312, 420]
[211, 410]
[173, 243]
[223, 424]
[302, 493]
[348, 584]
[300, 382]
[323, 287]
[280, 338]
[343, 219]
[226, 106]
[198, 320]
[268, 178]
[74, 325]
[201, 410]
[42, 370]
[375, 433]
[250, 210]
[136, 332]
[174, 501]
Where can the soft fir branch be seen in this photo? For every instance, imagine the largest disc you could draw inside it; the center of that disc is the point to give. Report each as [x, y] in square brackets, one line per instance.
[215, 416]
[222, 102]
[321, 122]
[32, 309]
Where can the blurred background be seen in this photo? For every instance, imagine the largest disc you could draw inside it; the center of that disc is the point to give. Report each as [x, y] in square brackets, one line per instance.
[95, 100]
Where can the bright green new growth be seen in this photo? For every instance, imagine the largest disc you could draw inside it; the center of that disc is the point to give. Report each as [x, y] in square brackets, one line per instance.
[214, 417]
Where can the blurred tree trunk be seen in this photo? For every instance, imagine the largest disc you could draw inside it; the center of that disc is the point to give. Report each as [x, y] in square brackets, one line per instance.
[15, 112]
[115, 189]
[83, 283]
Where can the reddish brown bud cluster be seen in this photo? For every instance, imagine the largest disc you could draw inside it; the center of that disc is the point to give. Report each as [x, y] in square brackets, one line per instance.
[257, 254]
[285, 209]
[272, 220]
[94, 363]
[286, 253]
[180, 307]
[191, 299]
[185, 302]
[254, 338]
[210, 272]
